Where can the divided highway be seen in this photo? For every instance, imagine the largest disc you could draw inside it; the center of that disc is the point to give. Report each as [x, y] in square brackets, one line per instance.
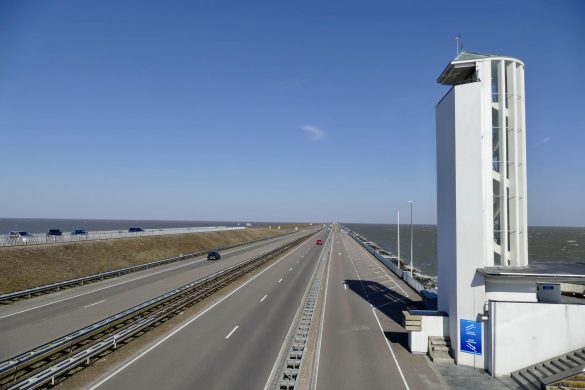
[235, 339]
[29, 323]
[235, 342]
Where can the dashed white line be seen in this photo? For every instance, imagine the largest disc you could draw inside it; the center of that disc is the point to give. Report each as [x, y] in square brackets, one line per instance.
[263, 298]
[143, 353]
[95, 303]
[290, 269]
[232, 332]
[345, 285]
[280, 280]
[126, 281]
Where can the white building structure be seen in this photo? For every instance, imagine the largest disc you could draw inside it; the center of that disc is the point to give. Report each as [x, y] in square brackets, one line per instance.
[482, 225]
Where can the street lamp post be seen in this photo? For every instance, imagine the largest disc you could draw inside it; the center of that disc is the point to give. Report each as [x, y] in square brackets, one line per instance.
[398, 239]
[411, 239]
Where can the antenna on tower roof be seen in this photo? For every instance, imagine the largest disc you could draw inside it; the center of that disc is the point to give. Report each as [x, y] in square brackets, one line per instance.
[458, 43]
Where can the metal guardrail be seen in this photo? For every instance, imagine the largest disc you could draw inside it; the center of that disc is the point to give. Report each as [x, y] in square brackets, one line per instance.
[72, 350]
[292, 365]
[42, 238]
[405, 276]
[104, 275]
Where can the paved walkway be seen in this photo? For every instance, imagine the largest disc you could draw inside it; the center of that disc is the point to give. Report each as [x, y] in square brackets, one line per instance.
[462, 377]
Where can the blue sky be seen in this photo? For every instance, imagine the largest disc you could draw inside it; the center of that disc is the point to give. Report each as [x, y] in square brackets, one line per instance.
[274, 110]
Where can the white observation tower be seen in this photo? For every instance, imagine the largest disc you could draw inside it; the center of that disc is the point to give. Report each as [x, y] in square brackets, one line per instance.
[481, 186]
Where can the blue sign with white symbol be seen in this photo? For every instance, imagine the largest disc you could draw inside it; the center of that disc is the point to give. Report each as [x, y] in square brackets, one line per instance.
[470, 336]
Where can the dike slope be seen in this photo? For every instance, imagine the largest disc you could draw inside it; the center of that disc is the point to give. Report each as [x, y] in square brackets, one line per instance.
[30, 266]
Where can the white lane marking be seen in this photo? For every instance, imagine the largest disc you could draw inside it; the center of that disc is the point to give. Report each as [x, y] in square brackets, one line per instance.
[345, 285]
[263, 298]
[322, 320]
[95, 303]
[297, 261]
[290, 269]
[232, 332]
[391, 350]
[107, 378]
[279, 280]
[117, 284]
[377, 320]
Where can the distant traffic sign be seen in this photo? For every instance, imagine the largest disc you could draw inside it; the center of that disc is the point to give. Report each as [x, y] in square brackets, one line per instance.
[470, 332]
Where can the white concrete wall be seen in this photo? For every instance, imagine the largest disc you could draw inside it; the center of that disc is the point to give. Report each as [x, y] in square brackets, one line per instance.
[431, 326]
[517, 290]
[460, 211]
[528, 333]
[446, 232]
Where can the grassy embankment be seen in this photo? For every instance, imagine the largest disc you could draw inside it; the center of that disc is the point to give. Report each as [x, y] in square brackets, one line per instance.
[30, 266]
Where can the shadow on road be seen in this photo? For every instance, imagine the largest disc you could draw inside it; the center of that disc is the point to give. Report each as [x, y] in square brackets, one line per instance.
[388, 302]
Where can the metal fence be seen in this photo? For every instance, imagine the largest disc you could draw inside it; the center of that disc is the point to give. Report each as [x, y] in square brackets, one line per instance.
[42, 238]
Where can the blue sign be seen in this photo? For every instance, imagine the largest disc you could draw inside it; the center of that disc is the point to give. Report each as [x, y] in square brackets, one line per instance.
[470, 332]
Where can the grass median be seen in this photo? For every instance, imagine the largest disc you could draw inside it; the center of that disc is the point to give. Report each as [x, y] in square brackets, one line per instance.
[30, 266]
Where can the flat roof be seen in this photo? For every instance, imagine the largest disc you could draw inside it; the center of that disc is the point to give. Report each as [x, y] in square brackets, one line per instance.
[565, 272]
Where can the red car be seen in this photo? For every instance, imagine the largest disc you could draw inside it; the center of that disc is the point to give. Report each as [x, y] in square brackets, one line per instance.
[319, 242]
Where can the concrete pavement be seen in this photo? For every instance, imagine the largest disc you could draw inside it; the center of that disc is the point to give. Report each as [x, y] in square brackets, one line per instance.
[234, 343]
[29, 323]
[363, 343]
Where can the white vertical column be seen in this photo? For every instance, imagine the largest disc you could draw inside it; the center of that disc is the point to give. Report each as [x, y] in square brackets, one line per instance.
[503, 162]
[517, 226]
[522, 147]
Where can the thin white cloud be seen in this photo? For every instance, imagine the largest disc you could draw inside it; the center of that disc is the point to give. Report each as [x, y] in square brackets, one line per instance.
[314, 132]
[543, 141]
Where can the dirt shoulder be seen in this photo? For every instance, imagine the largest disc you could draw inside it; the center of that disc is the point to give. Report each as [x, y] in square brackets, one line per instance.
[25, 267]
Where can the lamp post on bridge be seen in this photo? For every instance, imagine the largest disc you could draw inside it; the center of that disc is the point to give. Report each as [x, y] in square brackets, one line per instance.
[398, 239]
[411, 239]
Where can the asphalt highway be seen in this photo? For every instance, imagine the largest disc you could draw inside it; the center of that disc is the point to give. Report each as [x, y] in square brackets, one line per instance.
[234, 343]
[363, 344]
[29, 323]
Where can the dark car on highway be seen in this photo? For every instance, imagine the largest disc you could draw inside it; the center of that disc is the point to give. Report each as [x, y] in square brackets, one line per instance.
[54, 233]
[78, 232]
[135, 230]
[213, 255]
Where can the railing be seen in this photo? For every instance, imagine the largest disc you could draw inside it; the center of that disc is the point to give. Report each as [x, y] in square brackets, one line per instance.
[411, 281]
[104, 275]
[42, 238]
[43, 364]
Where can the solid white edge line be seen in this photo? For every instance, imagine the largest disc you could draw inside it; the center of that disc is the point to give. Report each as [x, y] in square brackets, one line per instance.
[107, 378]
[123, 282]
[232, 332]
[379, 324]
[263, 298]
[322, 323]
[391, 350]
[93, 304]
